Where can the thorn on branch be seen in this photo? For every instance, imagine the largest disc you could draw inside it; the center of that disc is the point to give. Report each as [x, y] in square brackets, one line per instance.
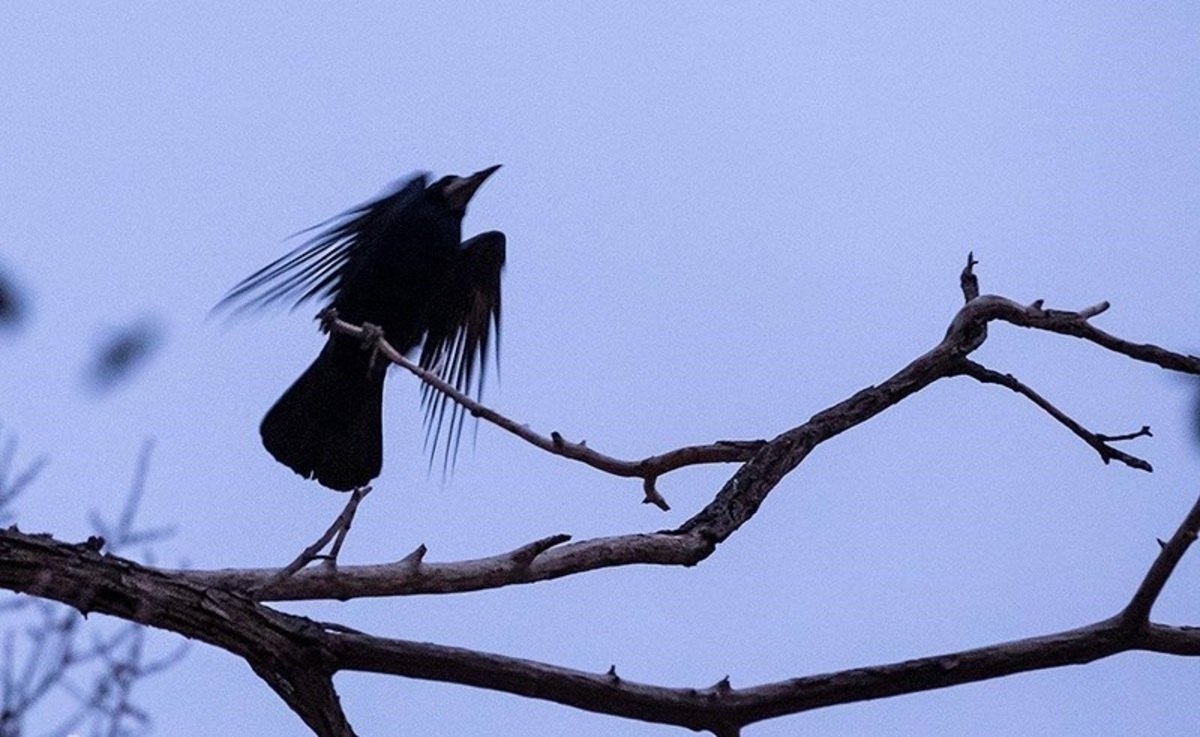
[652, 495]
[612, 674]
[415, 558]
[1090, 312]
[525, 555]
[721, 687]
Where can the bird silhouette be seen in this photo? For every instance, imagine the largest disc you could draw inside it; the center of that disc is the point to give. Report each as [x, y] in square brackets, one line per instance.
[397, 262]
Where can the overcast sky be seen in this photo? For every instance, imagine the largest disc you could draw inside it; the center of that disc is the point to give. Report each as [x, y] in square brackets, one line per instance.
[720, 221]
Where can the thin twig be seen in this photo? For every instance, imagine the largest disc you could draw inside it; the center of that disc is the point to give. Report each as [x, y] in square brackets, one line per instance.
[1107, 452]
[1143, 433]
[648, 469]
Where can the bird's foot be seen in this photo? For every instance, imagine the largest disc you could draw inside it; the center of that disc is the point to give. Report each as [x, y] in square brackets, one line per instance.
[336, 533]
[372, 336]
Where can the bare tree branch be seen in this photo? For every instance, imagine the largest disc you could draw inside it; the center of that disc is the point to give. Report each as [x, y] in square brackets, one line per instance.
[991, 307]
[339, 528]
[740, 497]
[1106, 451]
[285, 651]
[648, 469]
[298, 657]
[1137, 614]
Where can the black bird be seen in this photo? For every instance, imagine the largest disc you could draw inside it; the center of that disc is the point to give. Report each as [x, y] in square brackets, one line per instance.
[397, 262]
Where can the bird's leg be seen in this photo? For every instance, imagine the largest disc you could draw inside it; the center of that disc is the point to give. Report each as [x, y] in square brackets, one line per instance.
[345, 519]
[339, 529]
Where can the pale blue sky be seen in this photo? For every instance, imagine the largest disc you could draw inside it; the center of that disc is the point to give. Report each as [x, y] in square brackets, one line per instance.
[721, 220]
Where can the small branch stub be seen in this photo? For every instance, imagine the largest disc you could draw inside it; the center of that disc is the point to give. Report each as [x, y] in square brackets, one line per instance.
[968, 280]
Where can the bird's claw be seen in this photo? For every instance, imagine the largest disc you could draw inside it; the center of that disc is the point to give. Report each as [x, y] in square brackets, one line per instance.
[327, 317]
[372, 336]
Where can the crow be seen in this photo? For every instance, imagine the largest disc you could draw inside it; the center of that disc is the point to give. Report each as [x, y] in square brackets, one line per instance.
[397, 262]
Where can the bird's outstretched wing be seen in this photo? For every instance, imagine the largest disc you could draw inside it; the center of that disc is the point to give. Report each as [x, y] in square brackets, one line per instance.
[462, 318]
[316, 267]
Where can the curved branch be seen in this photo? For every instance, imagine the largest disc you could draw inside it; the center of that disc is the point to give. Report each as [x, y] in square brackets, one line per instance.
[721, 708]
[991, 307]
[298, 657]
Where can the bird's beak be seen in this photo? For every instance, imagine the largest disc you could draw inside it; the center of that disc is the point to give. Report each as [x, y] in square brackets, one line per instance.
[460, 191]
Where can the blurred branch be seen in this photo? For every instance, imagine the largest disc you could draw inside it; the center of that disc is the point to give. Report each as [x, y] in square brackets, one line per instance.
[12, 481]
[122, 353]
[44, 656]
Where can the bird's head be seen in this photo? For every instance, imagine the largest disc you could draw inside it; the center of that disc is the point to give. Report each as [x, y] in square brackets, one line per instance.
[458, 191]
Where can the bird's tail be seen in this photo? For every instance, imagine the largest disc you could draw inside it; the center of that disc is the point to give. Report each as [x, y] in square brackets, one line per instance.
[328, 425]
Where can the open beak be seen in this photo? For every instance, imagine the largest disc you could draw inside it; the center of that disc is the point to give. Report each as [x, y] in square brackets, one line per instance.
[461, 189]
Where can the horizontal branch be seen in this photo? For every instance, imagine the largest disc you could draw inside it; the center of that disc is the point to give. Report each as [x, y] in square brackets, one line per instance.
[298, 657]
[991, 307]
[720, 708]
[538, 561]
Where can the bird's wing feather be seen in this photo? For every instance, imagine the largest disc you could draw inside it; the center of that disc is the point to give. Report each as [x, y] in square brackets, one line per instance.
[463, 318]
[315, 268]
